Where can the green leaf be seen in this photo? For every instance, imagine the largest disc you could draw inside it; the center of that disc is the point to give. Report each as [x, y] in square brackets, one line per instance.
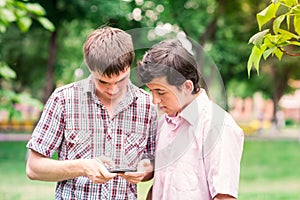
[46, 23]
[268, 52]
[35, 8]
[288, 22]
[21, 13]
[254, 59]
[6, 72]
[7, 15]
[293, 43]
[24, 23]
[291, 3]
[267, 14]
[19, 5]
[2, 28]
[257, 39]
[277, 22]
[268, 40]
[297, 24]
[295, 10]
[288, 35]
[278, 53]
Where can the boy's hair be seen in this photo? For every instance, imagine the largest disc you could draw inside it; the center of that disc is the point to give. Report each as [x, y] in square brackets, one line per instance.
[169, 58]
[108, 51]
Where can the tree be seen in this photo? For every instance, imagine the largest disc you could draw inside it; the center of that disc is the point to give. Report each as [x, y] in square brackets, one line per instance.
[276, 38]
[81, 15]
[22, 14]
[279, 26]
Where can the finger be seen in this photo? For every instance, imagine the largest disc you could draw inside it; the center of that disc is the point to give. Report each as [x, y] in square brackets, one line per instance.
[131, 179]
[144, 162]
[101, 180]
[105, 173]
[103, 170]
[134, 174]
[145, 166]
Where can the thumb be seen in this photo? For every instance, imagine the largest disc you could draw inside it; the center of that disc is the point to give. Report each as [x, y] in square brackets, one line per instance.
[145, 162]
[144, 165]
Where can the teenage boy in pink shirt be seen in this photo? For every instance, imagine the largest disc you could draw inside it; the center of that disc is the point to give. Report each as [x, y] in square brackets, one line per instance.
[199, 145]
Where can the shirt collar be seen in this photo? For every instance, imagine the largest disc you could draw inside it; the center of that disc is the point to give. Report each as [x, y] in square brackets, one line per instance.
[88, 87]
[192, 111]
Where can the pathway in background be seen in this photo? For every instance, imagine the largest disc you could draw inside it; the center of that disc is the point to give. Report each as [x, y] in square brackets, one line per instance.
[289, 134]
[14, 137]
[292, 134]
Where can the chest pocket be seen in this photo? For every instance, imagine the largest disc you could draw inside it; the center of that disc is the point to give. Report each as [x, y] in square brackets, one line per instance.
[79, 143]
[135, 144]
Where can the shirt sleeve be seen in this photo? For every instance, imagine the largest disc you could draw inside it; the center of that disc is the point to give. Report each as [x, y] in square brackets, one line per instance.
[222, 160]
[47, 135]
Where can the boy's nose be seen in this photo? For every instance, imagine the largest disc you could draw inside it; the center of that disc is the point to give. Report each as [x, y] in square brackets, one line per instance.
[156, 100]
[113, 88]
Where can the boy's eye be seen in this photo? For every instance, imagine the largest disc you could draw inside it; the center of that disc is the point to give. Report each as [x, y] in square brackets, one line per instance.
[161, 93]
[102, 82]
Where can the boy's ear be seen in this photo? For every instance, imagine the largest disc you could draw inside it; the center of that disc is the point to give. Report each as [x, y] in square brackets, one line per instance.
[188, 86]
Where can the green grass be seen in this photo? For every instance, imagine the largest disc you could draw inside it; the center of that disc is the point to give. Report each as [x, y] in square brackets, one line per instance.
[269, 170]
[14, 184]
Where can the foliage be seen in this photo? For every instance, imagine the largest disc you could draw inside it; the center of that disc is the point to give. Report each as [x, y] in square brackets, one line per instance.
[279, 25]
[21, 13]
[6, 72]
[217, 25]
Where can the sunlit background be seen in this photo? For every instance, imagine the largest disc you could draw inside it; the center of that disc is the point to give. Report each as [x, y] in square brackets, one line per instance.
[37, 59]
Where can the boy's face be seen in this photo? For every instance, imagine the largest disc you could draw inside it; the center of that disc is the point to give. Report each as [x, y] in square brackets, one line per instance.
[111, 88]
[169, 98]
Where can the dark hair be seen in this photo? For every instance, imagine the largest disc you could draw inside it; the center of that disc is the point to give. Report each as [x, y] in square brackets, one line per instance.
[169, 58]
[108, 51]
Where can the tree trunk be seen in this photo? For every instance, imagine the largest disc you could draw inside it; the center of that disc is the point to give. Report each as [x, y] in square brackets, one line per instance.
[49, 84]
[281, 76]
[212, 26]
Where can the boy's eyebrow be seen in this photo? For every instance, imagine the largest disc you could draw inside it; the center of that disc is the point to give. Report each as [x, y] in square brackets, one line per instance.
[115, 82]
[158, 90]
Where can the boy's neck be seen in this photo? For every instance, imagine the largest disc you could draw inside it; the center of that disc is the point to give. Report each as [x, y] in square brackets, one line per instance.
[188, 101]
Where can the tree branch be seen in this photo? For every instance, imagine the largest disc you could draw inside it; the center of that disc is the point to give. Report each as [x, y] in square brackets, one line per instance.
[288, 53]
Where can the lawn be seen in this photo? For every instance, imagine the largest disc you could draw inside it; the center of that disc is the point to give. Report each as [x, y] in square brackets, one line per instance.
[269, 170]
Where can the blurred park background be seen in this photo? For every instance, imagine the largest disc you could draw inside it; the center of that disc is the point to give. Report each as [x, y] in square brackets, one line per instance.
[41, 49]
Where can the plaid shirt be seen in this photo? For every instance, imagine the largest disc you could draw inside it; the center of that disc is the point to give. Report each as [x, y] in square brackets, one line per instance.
[77, 125]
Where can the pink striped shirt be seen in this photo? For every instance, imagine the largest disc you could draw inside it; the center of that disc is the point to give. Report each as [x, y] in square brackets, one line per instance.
[198, 153]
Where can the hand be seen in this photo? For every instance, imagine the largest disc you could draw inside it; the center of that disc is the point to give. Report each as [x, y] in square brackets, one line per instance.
[223, 197]
[95, 170]
[144, 169]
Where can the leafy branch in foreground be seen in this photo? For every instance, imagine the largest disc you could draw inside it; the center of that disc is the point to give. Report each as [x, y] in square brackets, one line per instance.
[282, 19]
[22, 13]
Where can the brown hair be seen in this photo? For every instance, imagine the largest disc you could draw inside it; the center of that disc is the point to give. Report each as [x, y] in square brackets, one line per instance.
[108, 51]
[169, 58]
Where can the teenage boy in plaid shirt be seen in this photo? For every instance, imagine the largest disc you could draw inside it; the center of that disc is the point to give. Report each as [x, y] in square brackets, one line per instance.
[101, 123]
